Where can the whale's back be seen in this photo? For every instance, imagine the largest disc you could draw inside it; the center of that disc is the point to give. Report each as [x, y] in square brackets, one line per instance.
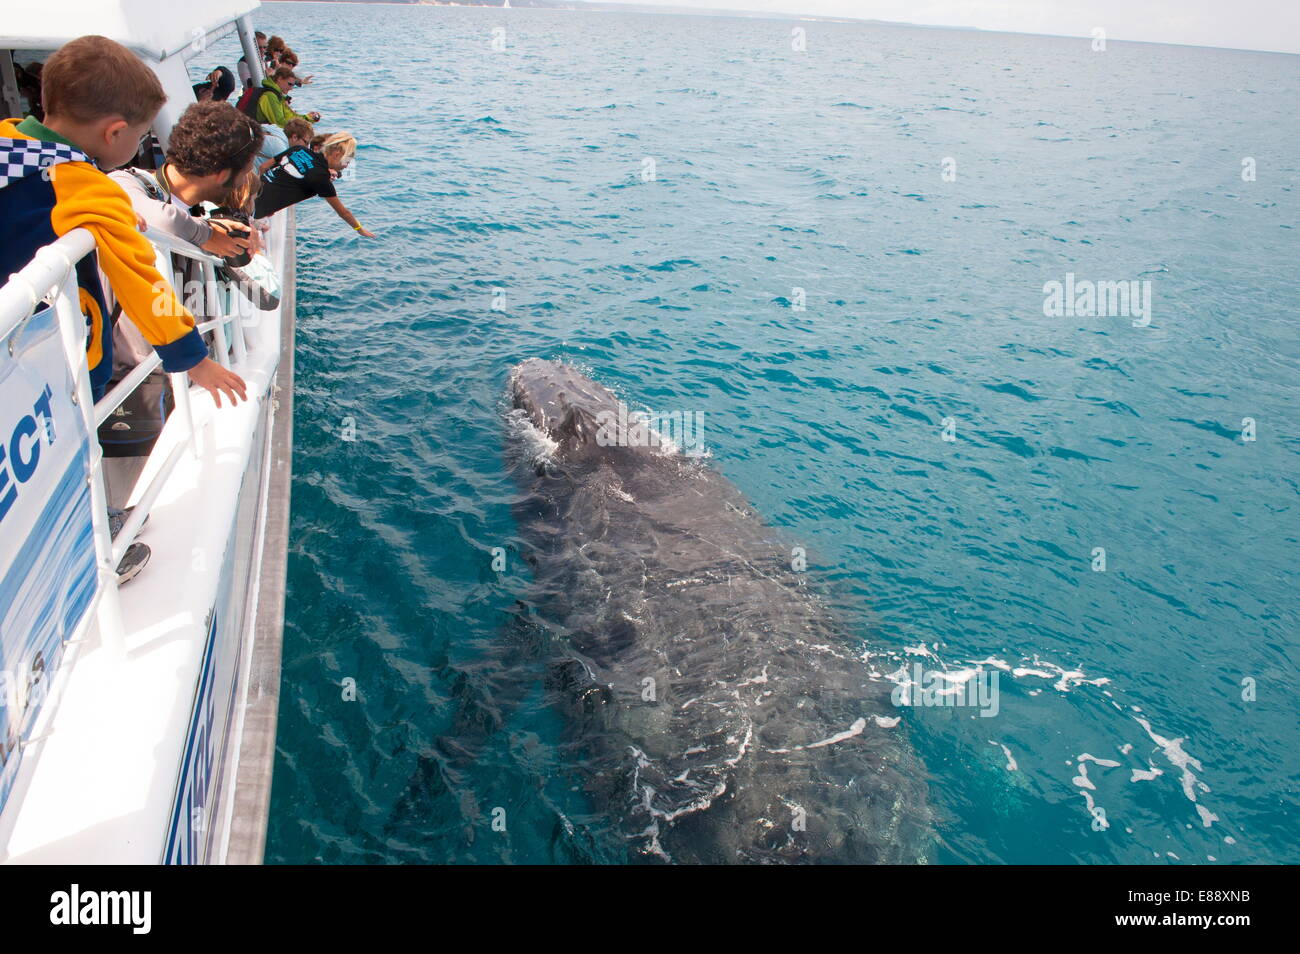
[714, 703]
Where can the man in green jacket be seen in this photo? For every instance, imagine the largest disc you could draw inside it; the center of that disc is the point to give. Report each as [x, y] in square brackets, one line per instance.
[273, 107]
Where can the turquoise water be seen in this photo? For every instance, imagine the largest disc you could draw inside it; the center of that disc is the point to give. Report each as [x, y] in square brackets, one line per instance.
[822, 170]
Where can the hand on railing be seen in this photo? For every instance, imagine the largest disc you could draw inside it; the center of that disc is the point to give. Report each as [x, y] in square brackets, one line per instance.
[215, 379]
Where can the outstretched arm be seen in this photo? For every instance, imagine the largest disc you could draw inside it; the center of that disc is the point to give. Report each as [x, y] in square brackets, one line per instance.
[337, 205]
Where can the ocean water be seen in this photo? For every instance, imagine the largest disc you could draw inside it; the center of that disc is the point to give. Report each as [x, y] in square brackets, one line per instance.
[1147, 707]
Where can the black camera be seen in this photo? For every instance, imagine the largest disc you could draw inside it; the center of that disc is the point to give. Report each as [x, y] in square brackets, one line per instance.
[243, 258]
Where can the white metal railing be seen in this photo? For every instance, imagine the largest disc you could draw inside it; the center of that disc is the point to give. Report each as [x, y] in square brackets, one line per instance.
[50, 278]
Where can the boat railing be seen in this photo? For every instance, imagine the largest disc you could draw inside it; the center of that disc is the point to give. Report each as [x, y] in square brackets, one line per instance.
[49, 282]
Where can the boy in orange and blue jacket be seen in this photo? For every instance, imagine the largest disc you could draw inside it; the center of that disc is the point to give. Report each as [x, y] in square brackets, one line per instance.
[100, 100]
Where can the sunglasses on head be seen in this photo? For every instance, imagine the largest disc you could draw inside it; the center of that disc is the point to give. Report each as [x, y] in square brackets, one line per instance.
[252, 139]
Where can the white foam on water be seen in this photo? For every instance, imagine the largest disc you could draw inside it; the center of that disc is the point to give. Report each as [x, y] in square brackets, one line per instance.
[1173, 751]
[957, 680]
[1071, 678]
[1066, 679]
[704, 801]
[538, 445]
[1022, 672]
[895, 666]
[1092, 810]
[1104, 763]
[855, 729]
[667, 446]
[744, 746]
[1011, 760]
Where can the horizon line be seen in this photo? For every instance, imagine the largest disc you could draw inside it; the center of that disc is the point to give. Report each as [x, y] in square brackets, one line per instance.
[672, 9]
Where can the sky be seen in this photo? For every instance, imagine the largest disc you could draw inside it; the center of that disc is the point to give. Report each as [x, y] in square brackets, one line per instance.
[1240, 24]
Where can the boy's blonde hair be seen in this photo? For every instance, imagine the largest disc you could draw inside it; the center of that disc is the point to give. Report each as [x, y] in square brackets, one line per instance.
[92, 78]
[299, 129]
[340, 141]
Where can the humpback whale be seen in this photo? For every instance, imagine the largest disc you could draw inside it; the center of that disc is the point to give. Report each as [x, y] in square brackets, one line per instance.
[722, 714]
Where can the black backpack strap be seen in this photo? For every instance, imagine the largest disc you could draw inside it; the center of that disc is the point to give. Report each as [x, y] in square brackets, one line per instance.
[151, 187]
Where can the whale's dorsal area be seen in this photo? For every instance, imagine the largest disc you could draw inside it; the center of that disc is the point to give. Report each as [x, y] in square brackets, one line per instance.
[575, 411]
[559, 400]
[717, 711]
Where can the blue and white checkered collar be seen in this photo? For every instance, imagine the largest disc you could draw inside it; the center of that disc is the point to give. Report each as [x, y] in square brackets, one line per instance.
[20, 158]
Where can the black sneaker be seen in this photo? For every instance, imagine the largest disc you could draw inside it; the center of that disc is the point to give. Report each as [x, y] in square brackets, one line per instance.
[133, 561]
[117, 520]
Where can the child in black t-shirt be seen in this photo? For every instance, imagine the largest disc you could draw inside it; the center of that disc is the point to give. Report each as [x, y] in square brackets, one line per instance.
[298, 132]
[302, 171]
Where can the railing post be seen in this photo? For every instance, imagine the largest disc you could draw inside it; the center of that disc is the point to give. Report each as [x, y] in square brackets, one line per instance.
[72, 324]
[248, 40]
[212, 309]
[232, 308]
[181, 392]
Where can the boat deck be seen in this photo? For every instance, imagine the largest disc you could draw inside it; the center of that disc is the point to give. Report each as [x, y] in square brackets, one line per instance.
[122, 770]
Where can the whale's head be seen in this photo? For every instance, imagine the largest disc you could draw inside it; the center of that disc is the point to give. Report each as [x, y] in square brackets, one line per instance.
[574, 411]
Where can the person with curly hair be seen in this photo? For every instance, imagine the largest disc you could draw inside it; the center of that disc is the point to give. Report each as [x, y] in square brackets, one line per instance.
[275, 48]
[212, 148]
[290, 59]
[209, 159]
